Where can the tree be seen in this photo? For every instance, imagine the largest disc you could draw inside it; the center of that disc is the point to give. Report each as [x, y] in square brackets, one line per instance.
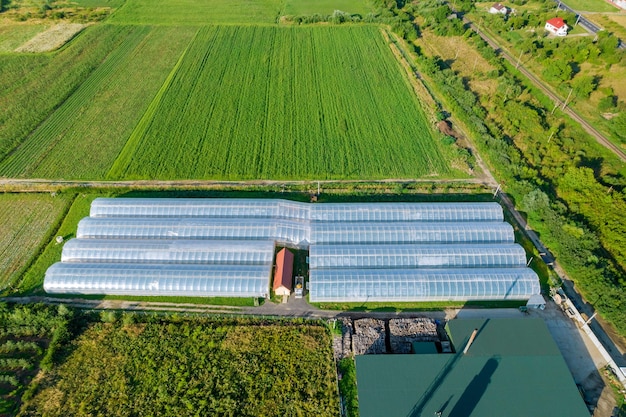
[584, 85]
[558, 70]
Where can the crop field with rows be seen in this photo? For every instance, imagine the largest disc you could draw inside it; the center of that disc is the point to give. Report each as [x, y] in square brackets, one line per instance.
[82, 138]
[32, 86]
[273, 102]
[25, 220]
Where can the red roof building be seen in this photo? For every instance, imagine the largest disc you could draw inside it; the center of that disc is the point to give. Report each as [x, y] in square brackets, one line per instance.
[283, 278]
[557, 26]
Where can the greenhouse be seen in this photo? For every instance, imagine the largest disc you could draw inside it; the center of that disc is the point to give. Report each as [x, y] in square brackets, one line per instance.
[357, 251]
[292, 210]
[163, 280]
[169, 251]
[411, 232]
[394, 285]
[428, 256]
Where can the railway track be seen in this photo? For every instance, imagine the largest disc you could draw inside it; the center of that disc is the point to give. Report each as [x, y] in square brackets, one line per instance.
[599, 137]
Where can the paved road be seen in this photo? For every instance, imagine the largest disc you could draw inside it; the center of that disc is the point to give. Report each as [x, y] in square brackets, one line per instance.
[546, 90]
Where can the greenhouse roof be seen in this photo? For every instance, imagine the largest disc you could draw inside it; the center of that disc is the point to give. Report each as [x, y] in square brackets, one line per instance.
[411, 284]
[515, 371]
[427, 256]
[158, 279]
[285, 209]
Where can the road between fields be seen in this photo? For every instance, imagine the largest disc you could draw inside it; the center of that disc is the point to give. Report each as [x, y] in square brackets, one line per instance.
[600, 138]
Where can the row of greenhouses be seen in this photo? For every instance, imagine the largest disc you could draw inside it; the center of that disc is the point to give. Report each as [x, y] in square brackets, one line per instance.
[357, 251]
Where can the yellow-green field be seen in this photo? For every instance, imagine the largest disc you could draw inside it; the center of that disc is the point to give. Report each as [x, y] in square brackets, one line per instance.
[25, 221]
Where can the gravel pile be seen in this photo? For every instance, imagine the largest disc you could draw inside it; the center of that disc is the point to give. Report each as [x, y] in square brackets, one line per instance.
[403, 332]
[369, 337]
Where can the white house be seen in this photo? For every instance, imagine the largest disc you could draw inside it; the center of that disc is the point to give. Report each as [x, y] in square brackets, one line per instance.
[498, 8]
[557, 26]
[619, 3]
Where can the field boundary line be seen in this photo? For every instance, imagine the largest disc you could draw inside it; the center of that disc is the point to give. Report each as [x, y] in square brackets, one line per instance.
[125, 155]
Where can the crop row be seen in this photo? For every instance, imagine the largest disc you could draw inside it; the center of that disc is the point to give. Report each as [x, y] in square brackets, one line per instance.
[85, 134]
[270, 102]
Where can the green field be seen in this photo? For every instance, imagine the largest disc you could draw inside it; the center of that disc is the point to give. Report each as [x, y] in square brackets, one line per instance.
[82, 138]
[98, 3]
[191, 367]
[13, 35]
[194, 12]
[32, 86]
[269, 102]
[25, 220]
[591, 6]
[325, 7]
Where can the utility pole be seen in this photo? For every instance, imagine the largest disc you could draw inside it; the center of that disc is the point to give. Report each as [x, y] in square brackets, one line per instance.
[475, 62]
[558, 6]
[496, 192]
[518, 59]
[551, 134]
[577, 19]
[567, 99]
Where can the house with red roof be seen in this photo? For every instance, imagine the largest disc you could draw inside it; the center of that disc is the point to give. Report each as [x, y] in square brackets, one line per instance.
[557, 26]
[283, 278]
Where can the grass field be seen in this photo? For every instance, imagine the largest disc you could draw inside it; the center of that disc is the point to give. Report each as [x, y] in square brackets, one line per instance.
[98, 3]
[82, 138]
[193, 12]
[13, 34]
[192, 367]
[32, 86]
[325, 7]
[269, 102]
[25, 221]
[591, 6]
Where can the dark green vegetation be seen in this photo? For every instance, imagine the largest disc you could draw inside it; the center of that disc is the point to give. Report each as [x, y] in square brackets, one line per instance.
[272, 114]
[347, 386]
[571, 188]
[29, 339]
[154, 365]
[28, 222]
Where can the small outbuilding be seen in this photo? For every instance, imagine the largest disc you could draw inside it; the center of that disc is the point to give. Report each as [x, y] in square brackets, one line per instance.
[283, 278]
[557, 26]
[499, 8]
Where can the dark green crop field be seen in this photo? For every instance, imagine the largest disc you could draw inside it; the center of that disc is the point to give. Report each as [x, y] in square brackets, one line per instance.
[269, 102]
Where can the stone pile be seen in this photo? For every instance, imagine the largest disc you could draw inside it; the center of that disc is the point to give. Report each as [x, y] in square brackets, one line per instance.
[403, 332]
[369, 337]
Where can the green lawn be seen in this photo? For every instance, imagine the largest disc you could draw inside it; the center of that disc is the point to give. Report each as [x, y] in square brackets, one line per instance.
[25, 221]
[284, 103]
[194, 12]
[82, 138]
[326, 7]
